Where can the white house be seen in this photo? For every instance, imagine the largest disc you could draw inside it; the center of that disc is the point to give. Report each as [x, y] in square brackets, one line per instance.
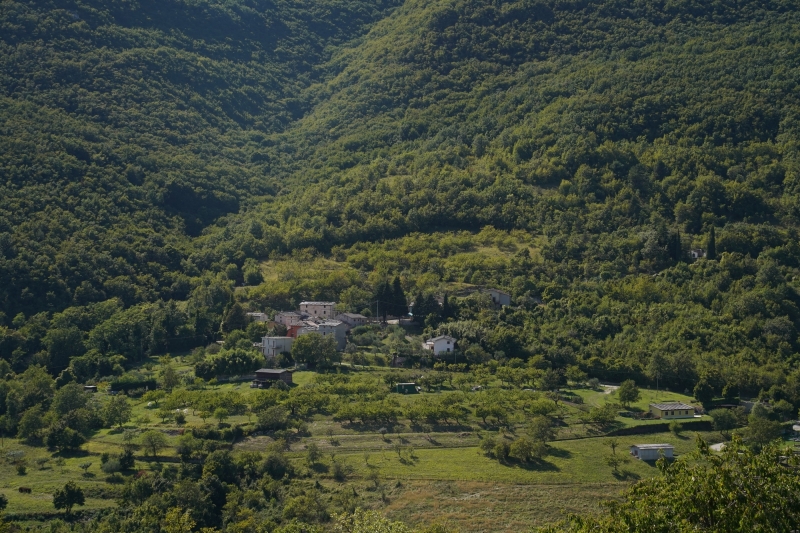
[440, 344]
[287, 318]
[352, 320]
[272, 346]
[318, 309]
[672, 410]
[652, 452]
[499, 297]
[697, 253]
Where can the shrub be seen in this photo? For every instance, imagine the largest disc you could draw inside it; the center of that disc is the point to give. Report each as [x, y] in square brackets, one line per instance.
[111, 465]
[126, 460]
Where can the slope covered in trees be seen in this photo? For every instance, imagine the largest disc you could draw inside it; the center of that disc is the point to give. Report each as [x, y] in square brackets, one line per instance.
[129, 126]
[155, 152]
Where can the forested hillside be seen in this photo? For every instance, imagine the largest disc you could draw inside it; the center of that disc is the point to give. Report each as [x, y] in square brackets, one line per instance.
[628, 171]
[155, 152]
[128, 127]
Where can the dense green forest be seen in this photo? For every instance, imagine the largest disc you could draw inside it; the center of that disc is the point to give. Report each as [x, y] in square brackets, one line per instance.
[168, 165]
[149, 170]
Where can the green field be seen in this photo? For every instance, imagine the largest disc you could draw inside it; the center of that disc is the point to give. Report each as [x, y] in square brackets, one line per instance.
[415, 471]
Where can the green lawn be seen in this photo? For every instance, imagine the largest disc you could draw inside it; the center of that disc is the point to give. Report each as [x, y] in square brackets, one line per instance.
[574, 461]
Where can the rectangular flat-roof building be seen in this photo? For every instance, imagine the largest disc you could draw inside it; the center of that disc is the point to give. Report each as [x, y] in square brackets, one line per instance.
[652, 452]
[672, 410]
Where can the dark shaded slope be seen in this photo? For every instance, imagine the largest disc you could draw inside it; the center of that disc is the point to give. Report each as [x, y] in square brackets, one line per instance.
[127, 126]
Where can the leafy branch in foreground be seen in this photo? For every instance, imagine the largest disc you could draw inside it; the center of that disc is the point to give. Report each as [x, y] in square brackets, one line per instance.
[737, 490]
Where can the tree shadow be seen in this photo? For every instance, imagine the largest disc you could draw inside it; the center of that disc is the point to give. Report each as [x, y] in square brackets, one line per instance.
[560, 453]
[373, 427]
[537, 465]
[320, 468]
[71, 454]
[626, 475]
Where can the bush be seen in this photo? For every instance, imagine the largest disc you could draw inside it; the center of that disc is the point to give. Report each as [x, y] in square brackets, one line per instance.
[115, 478]
[111, 465]
[22, 470]
[675, 427]
[126, 460]
[180, 418]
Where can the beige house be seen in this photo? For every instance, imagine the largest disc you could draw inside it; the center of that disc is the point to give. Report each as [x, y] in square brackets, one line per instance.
[672, 410]
[352, 319]
[287, 318]
[318, 309]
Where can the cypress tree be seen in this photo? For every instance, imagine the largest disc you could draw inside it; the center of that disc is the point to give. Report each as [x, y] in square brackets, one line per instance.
[675, 248]
[385, 299]
[711, 252]
[399, 301]
[447, 310]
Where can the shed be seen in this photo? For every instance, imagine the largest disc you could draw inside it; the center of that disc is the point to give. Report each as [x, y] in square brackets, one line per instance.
[90, 388]
[265, 377]
[407, 388]
[672, 410]
[499, 297]
[652, 452]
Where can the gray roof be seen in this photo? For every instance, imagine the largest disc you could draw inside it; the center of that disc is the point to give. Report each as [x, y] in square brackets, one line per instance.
[276, 371]
[672, 406]
[652, 446]
[499, 290]
[352, 315]
[317, 303]
[441, 337]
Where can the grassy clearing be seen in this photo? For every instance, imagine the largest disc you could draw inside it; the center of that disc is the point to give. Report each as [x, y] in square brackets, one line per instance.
[494, 507]
[571, 462]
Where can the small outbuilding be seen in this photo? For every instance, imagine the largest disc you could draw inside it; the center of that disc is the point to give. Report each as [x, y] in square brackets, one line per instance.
[90, 388]
[500, 298]
[407, 388]
[652, 452]
[672, 410]
[265, 377]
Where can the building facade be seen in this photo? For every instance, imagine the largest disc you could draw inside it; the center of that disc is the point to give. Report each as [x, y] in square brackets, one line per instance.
[499, 297]
[318, 309]
[652, 452]
[352, 320]
[325, 328]
[265, 377]
[272, 346]
[440, 345]
[287, 318]
[672, 410]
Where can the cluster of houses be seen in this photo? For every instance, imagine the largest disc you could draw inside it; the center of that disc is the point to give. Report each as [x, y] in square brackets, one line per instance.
[311, 317]
[322, 318]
